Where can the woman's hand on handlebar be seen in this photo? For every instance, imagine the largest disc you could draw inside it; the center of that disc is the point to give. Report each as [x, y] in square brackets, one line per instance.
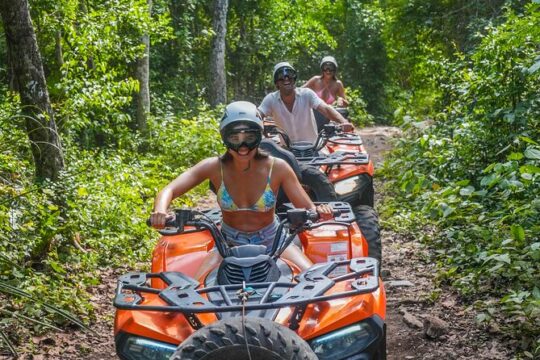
[325, 212]
[159, 218]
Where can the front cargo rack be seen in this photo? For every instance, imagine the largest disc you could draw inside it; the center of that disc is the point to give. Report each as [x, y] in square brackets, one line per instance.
[183, 295]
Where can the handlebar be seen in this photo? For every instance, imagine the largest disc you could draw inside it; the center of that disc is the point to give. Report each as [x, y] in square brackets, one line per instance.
[297, 220]
[186, 217]
[328, 131]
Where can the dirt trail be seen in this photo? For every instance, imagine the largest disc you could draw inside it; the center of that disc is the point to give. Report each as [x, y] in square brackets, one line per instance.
[412, 298]
[414, 303]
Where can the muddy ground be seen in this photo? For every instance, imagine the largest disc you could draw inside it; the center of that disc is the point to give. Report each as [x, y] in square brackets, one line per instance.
[415, 306]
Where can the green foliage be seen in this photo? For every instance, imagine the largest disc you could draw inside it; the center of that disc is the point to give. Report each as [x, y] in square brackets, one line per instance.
[421, 35]
[365, 54]
[255, 46]
[358, 109]
[55, 252]
[461, 76]
[92, 83]
[473, 175]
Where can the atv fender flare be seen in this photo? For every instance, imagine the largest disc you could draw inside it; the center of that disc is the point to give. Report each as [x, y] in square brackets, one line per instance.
[368, 222]
[226, 339]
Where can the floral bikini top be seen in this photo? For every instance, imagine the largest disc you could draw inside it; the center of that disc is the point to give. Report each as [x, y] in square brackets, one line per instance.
[266, 202]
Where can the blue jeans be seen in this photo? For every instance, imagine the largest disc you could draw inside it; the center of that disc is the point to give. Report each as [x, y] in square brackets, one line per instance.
[264, 236]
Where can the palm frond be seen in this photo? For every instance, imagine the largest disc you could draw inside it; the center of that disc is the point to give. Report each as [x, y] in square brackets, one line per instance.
[8, 343]
[5, 259]
[8, 289]
[20, 316]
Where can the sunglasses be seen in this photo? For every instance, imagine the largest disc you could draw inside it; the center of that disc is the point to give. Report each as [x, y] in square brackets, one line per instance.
[283, 73]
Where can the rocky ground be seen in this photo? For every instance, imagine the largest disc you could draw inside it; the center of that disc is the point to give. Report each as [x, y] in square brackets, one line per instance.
[423, 322]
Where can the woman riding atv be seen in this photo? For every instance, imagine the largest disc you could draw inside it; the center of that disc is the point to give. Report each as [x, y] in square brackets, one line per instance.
[247, 181]
[327, 86]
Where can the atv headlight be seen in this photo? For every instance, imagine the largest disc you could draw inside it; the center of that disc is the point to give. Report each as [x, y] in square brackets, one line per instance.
[131, 347]
[346, 342]
[347, 186]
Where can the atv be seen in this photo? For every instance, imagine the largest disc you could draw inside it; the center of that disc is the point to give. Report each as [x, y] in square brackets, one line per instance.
[254, 305]
[336, 168]
[339, 155]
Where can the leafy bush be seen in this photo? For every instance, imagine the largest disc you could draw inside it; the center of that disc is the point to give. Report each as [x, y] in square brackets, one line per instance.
[60, 235]
[472, 171]
[357, 108]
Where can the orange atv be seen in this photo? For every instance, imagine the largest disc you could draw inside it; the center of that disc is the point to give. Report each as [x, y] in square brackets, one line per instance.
[254, 305]
[336, 168]
[339, 155]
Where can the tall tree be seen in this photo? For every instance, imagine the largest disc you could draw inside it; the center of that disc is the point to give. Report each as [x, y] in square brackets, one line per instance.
[30, 83]
[218, 80]
[143, 75]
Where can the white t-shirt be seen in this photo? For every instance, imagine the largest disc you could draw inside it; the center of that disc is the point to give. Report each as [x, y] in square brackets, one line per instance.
[299, 124]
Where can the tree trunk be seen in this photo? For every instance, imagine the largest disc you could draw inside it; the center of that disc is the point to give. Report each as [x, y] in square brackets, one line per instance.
[30, 82]
[143, 75]
[58, 52]
[218, 80]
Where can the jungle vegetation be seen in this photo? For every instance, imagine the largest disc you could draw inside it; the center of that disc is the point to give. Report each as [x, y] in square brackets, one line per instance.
[102, 102]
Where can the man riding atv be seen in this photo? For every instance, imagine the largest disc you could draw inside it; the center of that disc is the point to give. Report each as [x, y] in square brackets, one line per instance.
[342, 171]
[291, 107]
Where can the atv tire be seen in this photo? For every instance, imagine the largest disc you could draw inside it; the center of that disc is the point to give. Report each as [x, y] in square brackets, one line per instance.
[316, 184]
[381, 352]
[368, 222]
[225, 339]
[366, 191]
[319, 188]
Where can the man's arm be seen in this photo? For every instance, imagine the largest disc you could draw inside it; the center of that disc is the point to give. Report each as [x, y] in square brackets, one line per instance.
[265, 108]
[330, 113]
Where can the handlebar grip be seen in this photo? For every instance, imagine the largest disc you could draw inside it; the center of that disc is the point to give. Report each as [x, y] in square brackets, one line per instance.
[314, 215]
[169, 222]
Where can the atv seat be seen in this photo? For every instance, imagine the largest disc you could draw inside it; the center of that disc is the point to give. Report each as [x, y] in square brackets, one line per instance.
[277, 151]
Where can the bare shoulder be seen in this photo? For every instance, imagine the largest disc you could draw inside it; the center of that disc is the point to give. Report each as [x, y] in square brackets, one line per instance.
[282, 168]
[208, 166]
[339, 84]
[311, 82]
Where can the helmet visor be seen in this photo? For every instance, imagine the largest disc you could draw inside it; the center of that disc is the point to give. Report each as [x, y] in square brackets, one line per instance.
[284, 72]
[240, 136]
[328, 66]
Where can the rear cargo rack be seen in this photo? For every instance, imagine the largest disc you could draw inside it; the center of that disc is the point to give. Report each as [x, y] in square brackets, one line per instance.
[337, 158]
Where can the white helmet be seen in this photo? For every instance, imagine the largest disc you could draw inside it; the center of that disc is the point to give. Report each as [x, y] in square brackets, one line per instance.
[285, 66]
[241, 111]
[329, 59]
